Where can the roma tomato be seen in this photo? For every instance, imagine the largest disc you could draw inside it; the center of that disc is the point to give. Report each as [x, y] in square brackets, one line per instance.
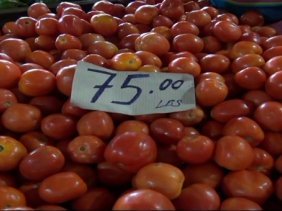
[126, 62]
[267, 115]
[166, 130]
[215, 63]
[120, 151]
[8, 179]
[68, 108]
[37, 82]
[189, 117]
[7, 98]
[172, 9]
[188, 42]
[183, 27]
[62, 187]
[233, 153]
[30, 191]
[59, 126]
[272, 143]
[132, 125]
[10, 74]
[227, 31]
[198, 196]
[238, 203]
[149, 58]
[198, 17]
[64, 79]
[86, 149]
[257, 97]
[104, 24]
[11, 197]
[25, 27]
[272, 85]
[184, 65]
[37, 9]
[105, 49]
[94, 199]
[167, 154]
[96, 123]
[21, 118]
[252, 18]
[11, 153]
[248, 184]
[246, 128]
[146, 13]
[47, 26]
[244, 47]
[41, 163]
[195, 149]
[70, 24]
[273, 65]
[67, 41]
[212, 129]
[208, 173]
[161, 177]
[57, 66]
[143, 199]
[228, 109]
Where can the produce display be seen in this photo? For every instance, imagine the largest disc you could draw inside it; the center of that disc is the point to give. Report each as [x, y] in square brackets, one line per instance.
[224, 154]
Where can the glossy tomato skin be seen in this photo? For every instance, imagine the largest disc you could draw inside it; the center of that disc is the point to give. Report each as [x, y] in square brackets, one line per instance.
[11, 197]
[172, 9]
[162, 177]
[10, 74]
[120, 151]
[143, 199]
[198, 196]
[229, 109]
[188, 42]
[30, 190]
[233, 153]
[227, 31]
[41, 163]
[94, 199]
[239, 203]
[62, 187]
[249, 184]
[7, 98]
[7, 179]
[22, 118]
[86, 149]
[267, 115]
[11, 153]
[132, 125]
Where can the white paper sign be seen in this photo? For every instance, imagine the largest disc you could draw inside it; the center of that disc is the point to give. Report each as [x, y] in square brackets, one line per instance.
[131, 92]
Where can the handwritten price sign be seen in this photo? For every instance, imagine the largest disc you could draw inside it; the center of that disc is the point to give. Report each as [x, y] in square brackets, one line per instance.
[132, 93]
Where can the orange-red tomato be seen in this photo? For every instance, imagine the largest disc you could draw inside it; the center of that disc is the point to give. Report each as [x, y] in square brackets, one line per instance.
[126, 62]
[104, 24]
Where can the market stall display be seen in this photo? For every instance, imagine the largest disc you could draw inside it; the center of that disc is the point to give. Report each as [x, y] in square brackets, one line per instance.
[146, 105]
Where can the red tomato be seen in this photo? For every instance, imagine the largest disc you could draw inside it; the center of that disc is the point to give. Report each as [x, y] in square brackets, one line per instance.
[10, 74]
[143, 199]
[86, 149]
[239, 203]
[248, 60]
[215, 63]
[25, 27]
[70, 24]
[172, 9]
[126, 62]
[11, 197]
[105, 49]
[41, 163]
[167, 154]
[64, 79]
[252, 18]
[166, 130]
[241, 48]
[162, 20]
[189, 117]
[59, 126]
[271, 143]
[21, 118]
[68, 108]
[146, 13]
[67, 41]
[233, 153]
[184, 65]
[140, 149]
[273, 65]
[227, 31]
[37, 9]
[278, 186]
[104, 24]
[188, 42]
[161, 177]
[198, 196]
[94, 199]
[248, 184]
[96, 123]
[198, 17]
[132, 125]
[30, 191]
[272, 85]
[257, 97]
[183, 27]
[62, 187]
[212, 129]
[7, 179]
[7, 98]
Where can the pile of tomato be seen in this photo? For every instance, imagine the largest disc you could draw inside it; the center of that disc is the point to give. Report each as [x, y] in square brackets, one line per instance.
[225, 154]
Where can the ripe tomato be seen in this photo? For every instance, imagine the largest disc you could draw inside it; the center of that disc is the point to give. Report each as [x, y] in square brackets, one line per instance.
[167, 154]
[25, 27]
[37, 82]
[161, 177]
[96, 123]
[211, 44]
[226, 110]
[238, 203]
[86, 149]
[205, 92]
[132, 125]
[208, 173]
[227, 31]
[67, 41]
[272, 42]
[172, 9]
[7, 98]
[105, 49]
[244, 47]
[35, 139]
[8, 179]
[198, 17]
[263, 162]
[272, 143]
[211, 75]
[257, 97]
[195, 149]
[59, 126]
[152, 42]
[11, 152]
[104, 24]
[30, 191]
[45, 42]
[41, 163]
[247, 60]
[21, 118]
[189, 117]
[126, 62]
[68, 108]
[197, 196]
[64, 79]
[74, 11]
[166, 130]
[89, 38]
[9, 27]
[105, 6]
[11, 197]
[148, 58]
[76, 54]
[272, 52]
[246, 128]
[233, 153]
[184, 65]
[9, 75]
[94, 199]
[267, 115]
[212, 129]
[70, 24]
[278, 186]
[188, 42]
[162, 20]
[123, 155]
[55, 67]
[47, 26]
[252, 18]
[248, 184]
[62, 187]
[143, 199]
[215, 63]
[146, 13]
[37, 9]
[183, 27]
[273, 65]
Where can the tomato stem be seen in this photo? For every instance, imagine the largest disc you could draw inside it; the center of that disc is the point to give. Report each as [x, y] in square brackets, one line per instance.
[1, 148]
